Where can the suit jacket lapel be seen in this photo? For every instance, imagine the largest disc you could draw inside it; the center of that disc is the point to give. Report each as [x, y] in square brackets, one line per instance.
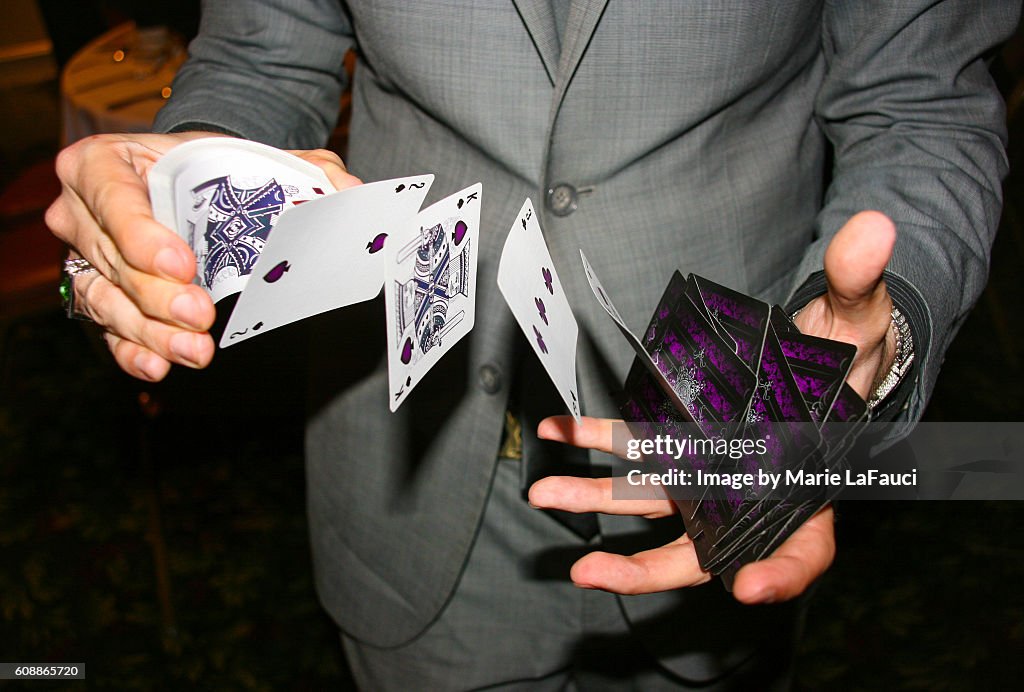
[581, 23]
[583, 18]
[540, 22]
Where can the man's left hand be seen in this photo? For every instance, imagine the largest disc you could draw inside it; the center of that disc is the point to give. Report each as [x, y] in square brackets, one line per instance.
[856, 309]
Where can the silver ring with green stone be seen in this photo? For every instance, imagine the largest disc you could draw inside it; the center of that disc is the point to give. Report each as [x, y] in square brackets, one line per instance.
[73, 268]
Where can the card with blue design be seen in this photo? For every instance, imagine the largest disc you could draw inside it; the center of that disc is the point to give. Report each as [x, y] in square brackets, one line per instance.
[270, 225]
[224, 196]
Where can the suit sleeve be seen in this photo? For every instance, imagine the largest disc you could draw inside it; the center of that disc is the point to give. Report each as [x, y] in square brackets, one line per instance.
[918, 132]
[266, 70]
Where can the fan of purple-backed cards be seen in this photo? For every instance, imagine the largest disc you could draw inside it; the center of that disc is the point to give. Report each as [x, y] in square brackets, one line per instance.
[718, 365]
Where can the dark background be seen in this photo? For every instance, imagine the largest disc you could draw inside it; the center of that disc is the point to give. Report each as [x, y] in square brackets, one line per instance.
[157, 533]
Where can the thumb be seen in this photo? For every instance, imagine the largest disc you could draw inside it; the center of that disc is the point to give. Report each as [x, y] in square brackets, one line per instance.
[332, 165]
[854, 263]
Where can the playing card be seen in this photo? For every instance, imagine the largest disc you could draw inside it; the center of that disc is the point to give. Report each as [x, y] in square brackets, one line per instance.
[743, 317]
[602, 297]
[765, 525]
[848, 415]
[531, 287]
[779, 514]
[645, 402]
[696, 369]
[771, 532]
[782, 322]
[223, 196]
[692, 292]
[325, 254]
[767, 518]
[819, 366]
[680, 289]
[430, 288]
[710, 381]
[778, 398]
[778, 417]
[641, 351]
[757, 529]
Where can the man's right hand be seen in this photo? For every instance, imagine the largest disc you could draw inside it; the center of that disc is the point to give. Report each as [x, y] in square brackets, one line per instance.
[142, 294]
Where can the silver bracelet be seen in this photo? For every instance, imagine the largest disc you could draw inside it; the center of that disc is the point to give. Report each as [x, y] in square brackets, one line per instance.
[902, 360]
[73, 268]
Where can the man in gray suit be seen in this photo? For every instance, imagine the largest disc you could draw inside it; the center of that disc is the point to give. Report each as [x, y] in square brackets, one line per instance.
[661, 136]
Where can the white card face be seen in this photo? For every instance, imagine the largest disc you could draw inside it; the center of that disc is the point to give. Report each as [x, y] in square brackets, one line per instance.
[638, 347]
[223, 196]
[530, 285]
[602, 295]
[430, 288]
[325, 254]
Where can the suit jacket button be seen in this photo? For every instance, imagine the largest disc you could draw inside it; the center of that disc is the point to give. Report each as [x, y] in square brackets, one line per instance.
[490, 378]
[562, 199]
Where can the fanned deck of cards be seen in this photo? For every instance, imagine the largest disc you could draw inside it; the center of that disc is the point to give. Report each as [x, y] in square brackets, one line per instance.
[719, 364]
[271, 226]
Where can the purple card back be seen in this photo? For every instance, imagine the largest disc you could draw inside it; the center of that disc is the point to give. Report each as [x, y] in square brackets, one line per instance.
[743, 317]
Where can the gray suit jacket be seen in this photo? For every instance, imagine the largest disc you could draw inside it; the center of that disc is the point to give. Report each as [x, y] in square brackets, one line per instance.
[702, 132]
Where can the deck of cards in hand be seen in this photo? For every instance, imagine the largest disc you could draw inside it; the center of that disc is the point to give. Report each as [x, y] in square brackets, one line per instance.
[724, 367]
[714, 363]
[271, 226]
